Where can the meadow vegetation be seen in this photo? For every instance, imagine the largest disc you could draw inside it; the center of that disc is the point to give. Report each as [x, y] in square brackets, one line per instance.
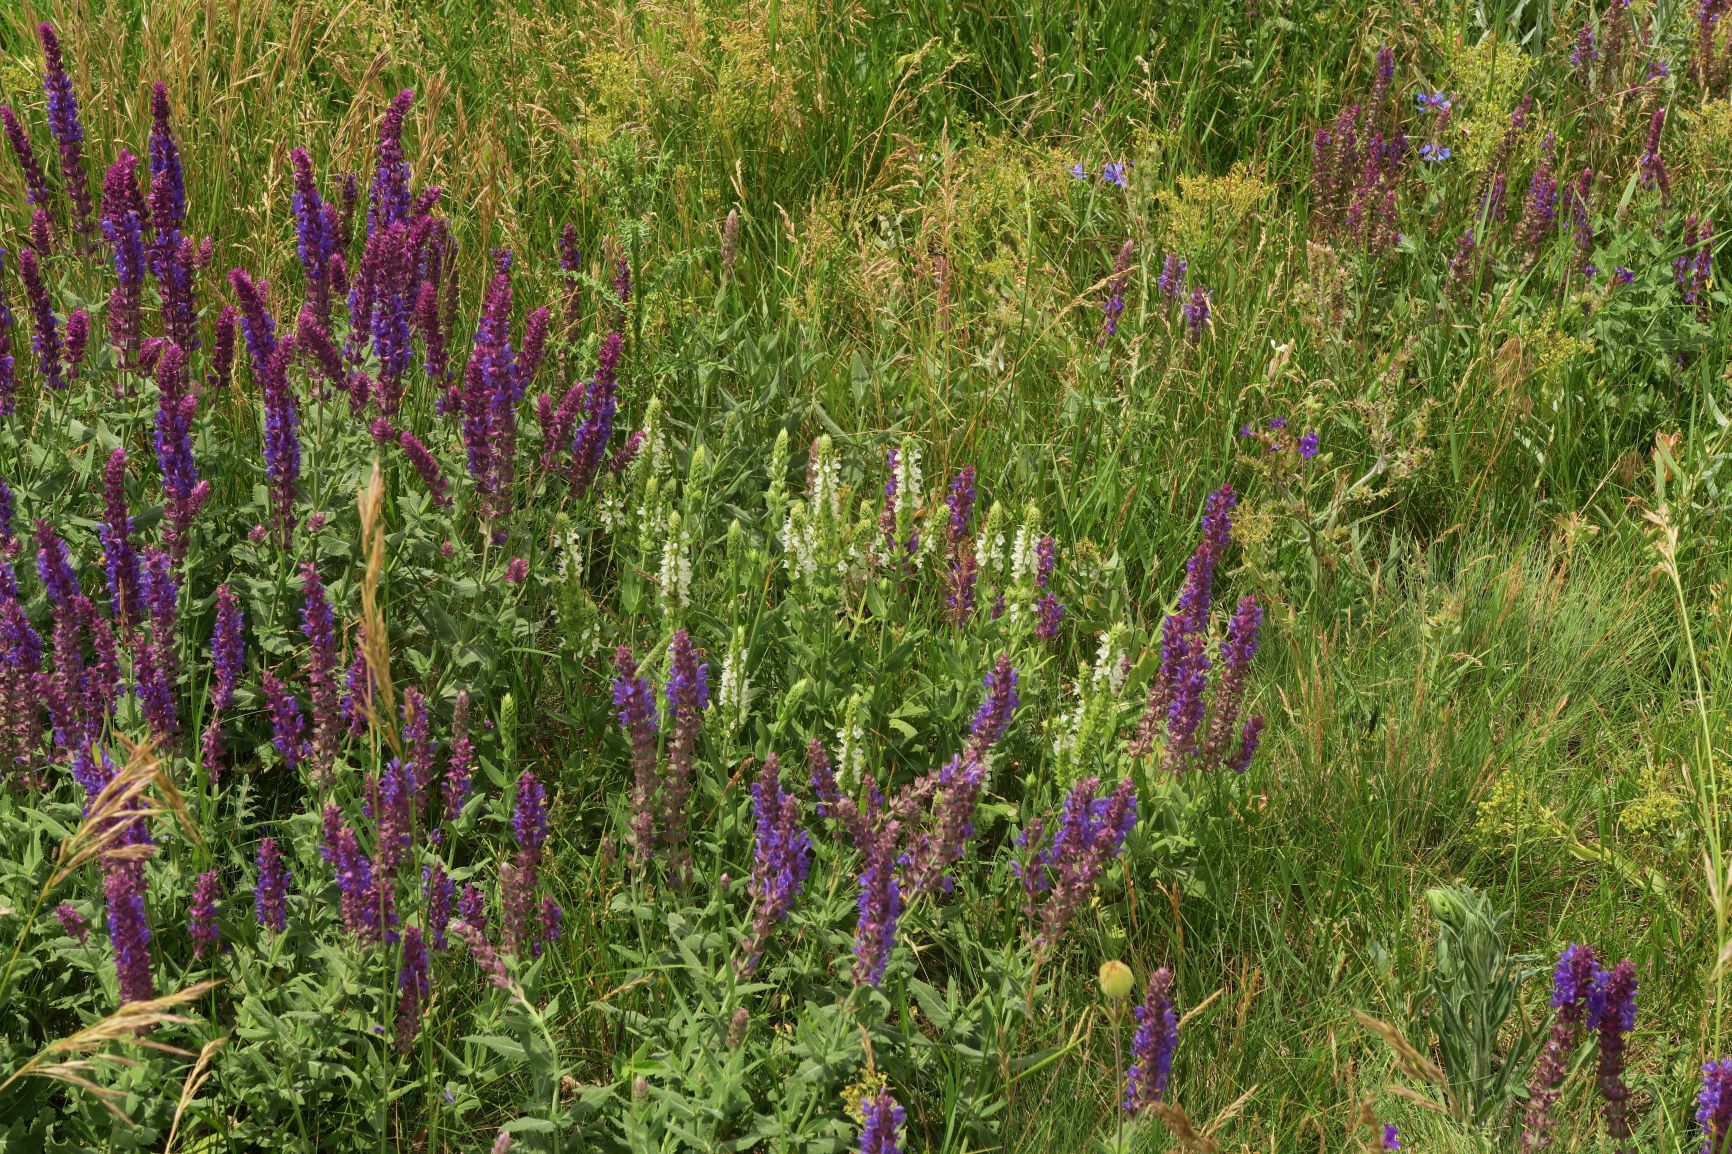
[671, 576]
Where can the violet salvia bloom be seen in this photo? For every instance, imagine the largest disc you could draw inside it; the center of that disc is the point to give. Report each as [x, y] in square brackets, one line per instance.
[155, 661]
[8, 365]
[77, 337]
[426, 467]
[487, 960]
[1581, 221]
[176, 407]
[1614, 999]
[1572, 981]
[35, 183]
[227, 650]
[223, 349]
[1391, 1137]
[54, 566]
[129, 929]
[552, 919]
[880, 903]
[282, 442]
[964, 569]
[1654, 174]
[72, 923]
[271, 890]
[6, 513]
[355, 883]
[781, 858]
[1540, 214]
[119, 557]
[882, 1121]
[1714, 1107]
[313, 337]
[288, 726]
[319, 625]
[393, 811]
[257, 324]
[517, 909]
[600, 402]
[165, 162]
[440, 891]
[460, 759]
[1091, 833]
[688, 694]
[993, 717]
[1585, 51]
[1229, 697]
[66, 127]
[1172, 279]
[489, 409]
[1114, 306]
[315, 242]
[388, 202]
[201, 924]
[1385, 75]
[123, 225]
[529, 817]
[823, 777]
[955, 791]
[472, 906]
[1197, 312]
[1156, 1039]
[635, 701]
[45, 330]
[412, 989]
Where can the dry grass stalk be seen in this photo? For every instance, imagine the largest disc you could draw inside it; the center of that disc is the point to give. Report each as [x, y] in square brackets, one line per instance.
[128, 797]
[195, 1080]
[376, 642]
[76, 1057]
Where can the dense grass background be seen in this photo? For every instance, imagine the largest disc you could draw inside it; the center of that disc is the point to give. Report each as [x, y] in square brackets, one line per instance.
[1475, 668]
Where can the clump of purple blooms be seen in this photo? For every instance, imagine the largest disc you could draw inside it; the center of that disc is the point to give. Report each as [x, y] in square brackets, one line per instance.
[1179, 699]
[1156, 1039]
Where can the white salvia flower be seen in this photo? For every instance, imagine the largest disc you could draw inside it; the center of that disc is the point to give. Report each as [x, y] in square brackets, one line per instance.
[1023, 559]
[610, 511]
[800, 543]
[733, 695]
[851, 746]
[908, 478]
[676, 568]
[570, 560]
[1109, 668]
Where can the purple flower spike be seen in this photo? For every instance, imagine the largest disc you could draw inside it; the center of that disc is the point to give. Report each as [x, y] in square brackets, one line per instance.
[688, 695]
[1172, 278]
[880, 903]
[72, 923]
[634, 699]
[129, 929]
[1156, 1039]
[45, 330]
[600, 403]
[35, 183]
[996, 708]
[881, 1132]
[1197, 313]
[1714, 1106]
[1091, 832]
[1114, 305]
[319, 625]
[388, 203]
[120, 558]
[201, 923]
[67, 129]
[271, 891]
[781, 859]
[288, 726]
[412, 989]
[1612, 1011]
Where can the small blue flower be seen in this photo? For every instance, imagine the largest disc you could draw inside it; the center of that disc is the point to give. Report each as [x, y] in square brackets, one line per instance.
[1590, 271]
[1436, 101]
[1078, 171]
[1657, 70]
[1622, 275]
[1308, 444]
[1115, 174]
[1436, 153]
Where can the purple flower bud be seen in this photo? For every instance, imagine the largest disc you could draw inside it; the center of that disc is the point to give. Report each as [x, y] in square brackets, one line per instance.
[781, 858]
[119, 556]
[880, 902]
[129, 929]
[77, 336]
[634, 699]
[72, 923]
[288, 726]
